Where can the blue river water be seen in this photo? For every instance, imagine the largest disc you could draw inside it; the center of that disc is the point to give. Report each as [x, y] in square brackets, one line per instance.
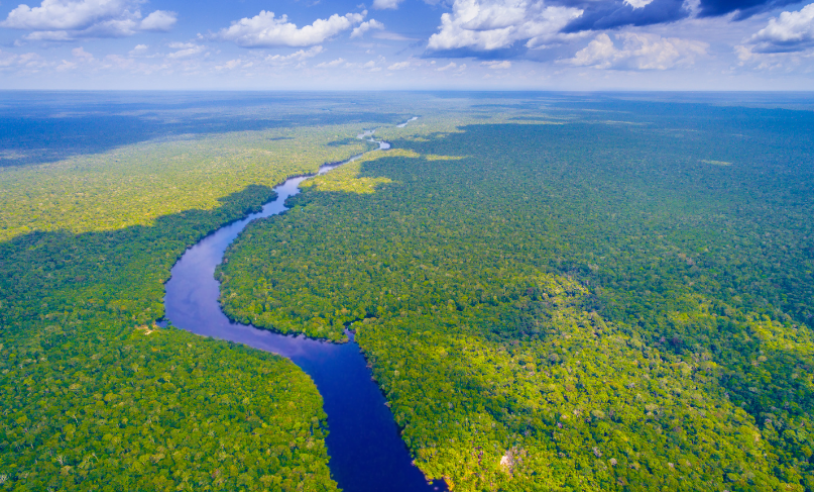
[366, 451]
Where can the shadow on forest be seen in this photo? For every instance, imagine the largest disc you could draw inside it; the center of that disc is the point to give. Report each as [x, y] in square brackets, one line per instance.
[79, 382]
[37, 140]
[59, 275]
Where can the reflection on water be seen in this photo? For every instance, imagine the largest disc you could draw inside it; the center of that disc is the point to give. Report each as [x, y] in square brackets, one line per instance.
[402, 125]
[367, 454]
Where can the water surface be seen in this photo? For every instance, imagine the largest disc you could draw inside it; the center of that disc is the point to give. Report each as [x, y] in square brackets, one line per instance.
[367, 454]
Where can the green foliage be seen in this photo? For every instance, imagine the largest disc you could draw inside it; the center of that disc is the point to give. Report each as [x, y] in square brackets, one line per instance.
[136, 184]
[346, 178]
[158, 411]
[570, 307]
[93, 396]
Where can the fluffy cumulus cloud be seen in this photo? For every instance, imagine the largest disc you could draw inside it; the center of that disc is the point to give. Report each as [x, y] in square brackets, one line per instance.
[495, 30]
[487, 25]
[365, 26]
[791, 31]
[64, 20]
[639, 52]
[139, 50]
[267, 30]
[158, 21]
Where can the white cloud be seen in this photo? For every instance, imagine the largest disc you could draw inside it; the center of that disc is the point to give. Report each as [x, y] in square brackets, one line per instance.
[185, 50]
[498, 24]
[783, 61]
[450, 66]
[399, 66]
[332, 63]
[64, 20]
[82, 55]
[118, 62]
[296, 56]
[159, 21]
[53, 15]
[386, 4]
[371, 65]
[30, 61]
[599, 53]
[497, 65]
[744, 54]
[65, 65]
[267, 30]
[49, 36]
[139, 50]
[792, 31]
[638, 4]
[639, 52]
[365, 27]
[230, 65]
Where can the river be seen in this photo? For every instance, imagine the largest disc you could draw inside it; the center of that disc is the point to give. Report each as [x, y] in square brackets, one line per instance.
[366, 452]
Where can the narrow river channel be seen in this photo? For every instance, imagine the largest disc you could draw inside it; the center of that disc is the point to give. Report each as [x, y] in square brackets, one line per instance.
[367, 454]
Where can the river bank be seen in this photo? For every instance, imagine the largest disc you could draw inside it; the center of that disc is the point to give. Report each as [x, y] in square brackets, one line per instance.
[366, 451]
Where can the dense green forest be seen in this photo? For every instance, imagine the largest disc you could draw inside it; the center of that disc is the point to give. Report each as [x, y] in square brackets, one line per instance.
[554, 294]
[136, 184]
[622, 301]
[94, 396]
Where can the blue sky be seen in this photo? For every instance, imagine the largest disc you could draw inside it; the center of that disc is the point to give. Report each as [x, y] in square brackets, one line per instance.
[408, 44]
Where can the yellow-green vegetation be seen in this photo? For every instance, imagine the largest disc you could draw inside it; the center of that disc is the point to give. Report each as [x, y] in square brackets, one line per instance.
[136, 184]
[347, 179]
[570, 307]
[433, 157]
[435, 124]
[93, 395]
[585, 407]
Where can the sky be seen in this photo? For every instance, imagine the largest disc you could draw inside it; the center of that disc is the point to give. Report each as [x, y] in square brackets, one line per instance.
[407, 45]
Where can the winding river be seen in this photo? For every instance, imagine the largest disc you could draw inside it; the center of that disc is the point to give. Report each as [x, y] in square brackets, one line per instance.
[366, 452]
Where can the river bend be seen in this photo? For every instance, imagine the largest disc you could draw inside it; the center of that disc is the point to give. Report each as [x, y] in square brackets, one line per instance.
[366, 452]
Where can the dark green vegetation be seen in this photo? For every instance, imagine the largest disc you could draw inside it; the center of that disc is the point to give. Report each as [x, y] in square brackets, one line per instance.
[91, 402]
[622, 303]
[93, 396]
